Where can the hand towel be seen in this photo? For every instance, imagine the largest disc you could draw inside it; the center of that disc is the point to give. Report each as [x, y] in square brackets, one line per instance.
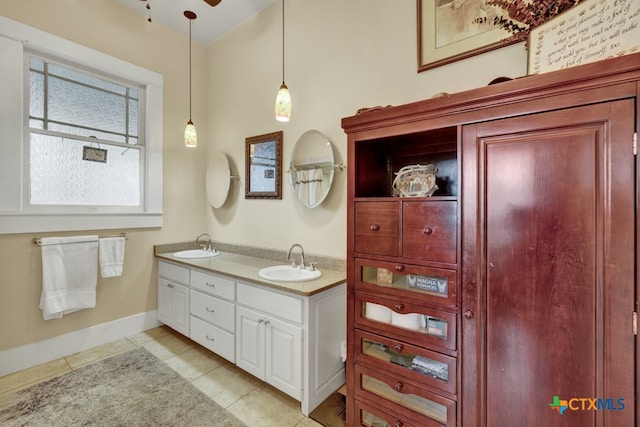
[111, 256]
[69, 274]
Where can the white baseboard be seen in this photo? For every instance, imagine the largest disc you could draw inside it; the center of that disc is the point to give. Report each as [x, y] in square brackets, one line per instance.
[33, 354]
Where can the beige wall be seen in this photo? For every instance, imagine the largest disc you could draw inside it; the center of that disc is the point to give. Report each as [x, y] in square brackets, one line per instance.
[340, 56]
[107, 26]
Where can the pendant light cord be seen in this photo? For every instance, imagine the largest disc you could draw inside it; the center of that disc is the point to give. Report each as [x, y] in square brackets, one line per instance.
[190, 21]
[282, 41]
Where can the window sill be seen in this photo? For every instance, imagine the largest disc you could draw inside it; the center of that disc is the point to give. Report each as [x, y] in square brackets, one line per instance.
[41, 223]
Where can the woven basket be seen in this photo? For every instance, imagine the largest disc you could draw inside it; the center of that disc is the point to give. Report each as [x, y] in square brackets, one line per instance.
[415, 181]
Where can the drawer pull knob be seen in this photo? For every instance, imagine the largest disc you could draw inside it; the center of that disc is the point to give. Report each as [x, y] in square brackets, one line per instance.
[427, 231]
[209, 338]
[170, 285]
[399, 348]
[399, 307]
[399, 267]
[212, 285]
[375, 227]
[468, 314]
[399, 386]
[210, 310]
[399, 424]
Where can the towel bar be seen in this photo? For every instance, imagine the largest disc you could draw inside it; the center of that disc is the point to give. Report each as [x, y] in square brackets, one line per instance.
[38, 240]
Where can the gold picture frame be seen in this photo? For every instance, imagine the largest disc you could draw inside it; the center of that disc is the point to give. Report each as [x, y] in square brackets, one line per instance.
[451, 30]
[263, 166]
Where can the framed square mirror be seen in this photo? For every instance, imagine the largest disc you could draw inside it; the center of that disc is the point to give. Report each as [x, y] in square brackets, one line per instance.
[263, 166]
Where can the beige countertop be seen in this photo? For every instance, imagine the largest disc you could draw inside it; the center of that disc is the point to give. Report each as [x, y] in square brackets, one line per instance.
[246, 268]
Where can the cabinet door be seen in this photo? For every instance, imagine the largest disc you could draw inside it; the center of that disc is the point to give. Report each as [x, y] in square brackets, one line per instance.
[180, 306]
[429, 231]
[250, 354]
[284, 357]
[164, 301]
[173, 305]
[548, 276]
[377, 228]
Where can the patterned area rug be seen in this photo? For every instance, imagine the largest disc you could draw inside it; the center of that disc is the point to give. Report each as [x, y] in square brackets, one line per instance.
[131, 389]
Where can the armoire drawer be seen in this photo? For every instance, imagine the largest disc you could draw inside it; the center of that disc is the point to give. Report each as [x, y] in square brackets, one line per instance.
[213, 310]
[433, 286]
[215, 339]
[419, 325]
[417, 364]
[429, 231]
[371, 416]
[404, 399]
[377, 229]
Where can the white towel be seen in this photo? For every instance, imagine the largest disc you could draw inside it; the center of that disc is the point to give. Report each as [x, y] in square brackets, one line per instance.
[111, 256]
[69, 274]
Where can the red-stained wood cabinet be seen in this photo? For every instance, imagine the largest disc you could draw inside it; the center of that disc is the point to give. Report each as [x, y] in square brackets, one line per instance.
[509, 296]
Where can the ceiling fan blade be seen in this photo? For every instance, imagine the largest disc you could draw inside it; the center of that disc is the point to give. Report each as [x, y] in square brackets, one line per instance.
[213, 3]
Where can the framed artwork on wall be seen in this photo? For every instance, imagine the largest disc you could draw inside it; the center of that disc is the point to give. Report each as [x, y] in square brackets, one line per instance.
[451, 30]
[263, 166]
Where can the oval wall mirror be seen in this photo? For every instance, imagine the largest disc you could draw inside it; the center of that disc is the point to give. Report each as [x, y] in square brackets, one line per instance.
[311, 169]
[218, 179]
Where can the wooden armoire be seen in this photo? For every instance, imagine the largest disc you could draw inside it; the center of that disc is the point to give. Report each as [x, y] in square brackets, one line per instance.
[508, 297]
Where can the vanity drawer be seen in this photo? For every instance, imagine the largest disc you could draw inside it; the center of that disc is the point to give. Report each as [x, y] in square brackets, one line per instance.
[429, 231]
[213, 284]
[419, 325]
[377, 228]
[213, 310]
[276, 304]
[215, 339]
[432, 286]
[403, 399]
[421, 366]
[173, 272]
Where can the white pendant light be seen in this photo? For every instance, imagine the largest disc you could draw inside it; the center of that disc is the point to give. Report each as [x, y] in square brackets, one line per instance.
[190, 134]
[283, 98]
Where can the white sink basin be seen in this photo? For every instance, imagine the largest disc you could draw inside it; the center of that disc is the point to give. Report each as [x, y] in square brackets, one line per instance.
[196, 253]
[286, 273]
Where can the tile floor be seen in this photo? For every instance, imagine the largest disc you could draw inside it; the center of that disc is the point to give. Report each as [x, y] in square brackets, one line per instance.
[252, 401]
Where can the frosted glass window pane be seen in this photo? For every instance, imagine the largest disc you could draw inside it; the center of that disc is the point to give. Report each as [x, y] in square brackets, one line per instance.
[36, 64]
[133, 117]
[59, 176]
[36, 98]
[36, 124]
[72, 103]
[87, 79]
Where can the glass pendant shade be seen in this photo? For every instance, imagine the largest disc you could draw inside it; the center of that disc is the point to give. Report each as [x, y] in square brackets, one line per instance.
[283, 104]
[190, 135]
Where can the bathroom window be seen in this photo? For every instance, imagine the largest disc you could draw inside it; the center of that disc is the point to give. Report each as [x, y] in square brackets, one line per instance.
[85, 147]
[80, 136]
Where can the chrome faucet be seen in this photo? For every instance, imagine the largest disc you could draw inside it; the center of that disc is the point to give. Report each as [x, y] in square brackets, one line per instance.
[293, 263]
[207, 246]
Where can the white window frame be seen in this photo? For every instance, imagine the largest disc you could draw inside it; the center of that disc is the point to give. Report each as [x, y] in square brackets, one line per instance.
[15, 217]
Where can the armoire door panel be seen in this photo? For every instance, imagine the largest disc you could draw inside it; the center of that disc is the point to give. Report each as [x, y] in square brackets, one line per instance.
[548, 274]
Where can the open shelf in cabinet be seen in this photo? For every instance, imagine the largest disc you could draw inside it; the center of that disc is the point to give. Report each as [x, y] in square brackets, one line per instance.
[378, 161]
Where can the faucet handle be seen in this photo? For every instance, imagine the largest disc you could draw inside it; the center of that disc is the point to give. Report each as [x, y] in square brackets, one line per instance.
[312, 266]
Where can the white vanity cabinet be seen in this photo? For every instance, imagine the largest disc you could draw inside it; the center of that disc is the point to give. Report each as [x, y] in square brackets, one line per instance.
[292, 341]
[212, 302]
[269, 337]
[173, 296]
[289, 340]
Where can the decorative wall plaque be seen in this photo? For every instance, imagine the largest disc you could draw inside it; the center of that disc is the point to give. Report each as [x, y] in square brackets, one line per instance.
[588, 32]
